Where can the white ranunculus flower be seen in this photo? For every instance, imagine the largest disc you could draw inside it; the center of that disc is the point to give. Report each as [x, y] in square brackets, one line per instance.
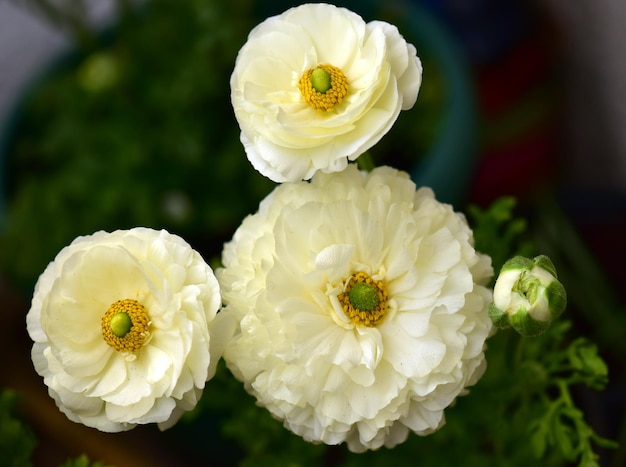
[359, 307]
[317, 86]
[121, 328]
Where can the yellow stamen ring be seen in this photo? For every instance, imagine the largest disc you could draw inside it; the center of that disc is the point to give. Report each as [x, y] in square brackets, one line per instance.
[323, 87]
[125, 325]
[365, 307]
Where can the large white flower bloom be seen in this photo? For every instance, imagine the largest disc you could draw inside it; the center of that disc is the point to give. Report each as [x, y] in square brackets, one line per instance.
[359, 307]
[317, 86]
[120, 323]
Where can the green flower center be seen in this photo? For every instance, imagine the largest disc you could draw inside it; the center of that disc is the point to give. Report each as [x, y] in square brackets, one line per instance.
[320, 80]
[323, 87]
[363, 296]
[364, 300]
[125, 325]
[120, 324]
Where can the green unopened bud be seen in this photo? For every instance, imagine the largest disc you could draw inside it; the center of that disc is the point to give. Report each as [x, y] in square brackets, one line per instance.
[527, 295]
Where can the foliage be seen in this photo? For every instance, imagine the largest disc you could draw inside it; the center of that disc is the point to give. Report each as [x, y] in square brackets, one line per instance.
[82, 461]
[559, 425]
[16, 440]
[498, 232]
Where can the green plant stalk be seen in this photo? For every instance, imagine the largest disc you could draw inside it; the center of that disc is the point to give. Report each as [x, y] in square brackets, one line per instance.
[365, 162]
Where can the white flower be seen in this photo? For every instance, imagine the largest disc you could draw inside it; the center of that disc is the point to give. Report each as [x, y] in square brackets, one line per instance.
[527, 295]
[294, 124]
[359, 307]
[120, 324]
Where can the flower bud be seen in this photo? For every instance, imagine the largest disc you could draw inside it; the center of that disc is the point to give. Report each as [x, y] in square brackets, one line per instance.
[527, 295]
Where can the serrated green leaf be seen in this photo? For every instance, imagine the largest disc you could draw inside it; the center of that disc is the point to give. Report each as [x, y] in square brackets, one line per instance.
[564, 438]
[538, 440]
[592, 361]
[588, 462]
[604, 442]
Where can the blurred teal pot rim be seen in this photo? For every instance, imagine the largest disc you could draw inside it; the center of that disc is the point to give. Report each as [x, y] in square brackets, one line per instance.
[446, 168]
[449, 165]
[9, 125]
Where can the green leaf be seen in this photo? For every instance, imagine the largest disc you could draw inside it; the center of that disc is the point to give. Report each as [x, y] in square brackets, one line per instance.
[565, 437]
[497, 232]
[16, 439]
[589, 366]
[82, 461]
[538, 438]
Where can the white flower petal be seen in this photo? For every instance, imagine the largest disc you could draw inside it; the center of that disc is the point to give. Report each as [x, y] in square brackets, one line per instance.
[109, 379]
[409, 356]
[406, 66]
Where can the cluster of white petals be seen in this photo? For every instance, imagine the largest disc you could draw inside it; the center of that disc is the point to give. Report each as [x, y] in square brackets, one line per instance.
[285, 138]
[332, 379]
[110, 389]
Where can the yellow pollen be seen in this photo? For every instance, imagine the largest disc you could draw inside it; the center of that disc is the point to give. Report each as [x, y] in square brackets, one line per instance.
[118, 332]
[328, 97]
[374, 310]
